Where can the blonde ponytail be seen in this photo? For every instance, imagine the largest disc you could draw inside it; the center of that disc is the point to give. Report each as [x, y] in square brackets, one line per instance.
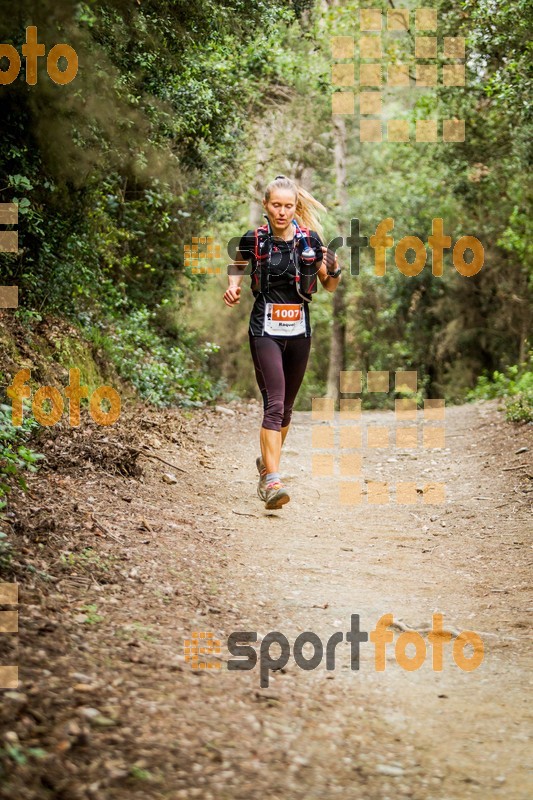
[308, 209]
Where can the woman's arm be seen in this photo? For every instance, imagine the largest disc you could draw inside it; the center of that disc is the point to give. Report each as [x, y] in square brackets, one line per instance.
[329, 264]
[235, 275]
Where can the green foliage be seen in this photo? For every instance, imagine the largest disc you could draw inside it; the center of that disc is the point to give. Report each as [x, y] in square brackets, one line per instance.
[5, 551]
[15, 456]
[513, 381]
[92, 617]
[515, 385]
[19, 753]
[520, 408]
[140, 774]
[163, 373]
[88, 558]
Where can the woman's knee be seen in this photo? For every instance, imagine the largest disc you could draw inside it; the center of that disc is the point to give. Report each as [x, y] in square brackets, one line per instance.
[287, 416]
[273, 414]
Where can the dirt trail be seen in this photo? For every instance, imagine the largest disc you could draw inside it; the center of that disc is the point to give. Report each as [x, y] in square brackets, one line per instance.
[202, 555]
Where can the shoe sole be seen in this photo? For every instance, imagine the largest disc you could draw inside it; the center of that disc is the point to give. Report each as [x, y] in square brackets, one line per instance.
[279, 500]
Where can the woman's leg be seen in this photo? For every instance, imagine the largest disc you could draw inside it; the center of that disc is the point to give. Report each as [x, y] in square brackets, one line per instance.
[268, 364]
[295, 358]
[270, 442]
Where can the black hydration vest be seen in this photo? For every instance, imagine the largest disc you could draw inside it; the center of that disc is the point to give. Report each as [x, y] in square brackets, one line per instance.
[263, 253]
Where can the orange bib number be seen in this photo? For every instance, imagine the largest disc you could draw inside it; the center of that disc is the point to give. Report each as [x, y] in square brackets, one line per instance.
[284, 319]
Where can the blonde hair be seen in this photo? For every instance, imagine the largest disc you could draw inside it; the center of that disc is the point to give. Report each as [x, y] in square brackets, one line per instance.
[308, 209]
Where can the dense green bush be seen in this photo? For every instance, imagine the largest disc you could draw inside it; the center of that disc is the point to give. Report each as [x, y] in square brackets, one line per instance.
[15, 456]
[520, 408]
[515, 385]
[162, 372]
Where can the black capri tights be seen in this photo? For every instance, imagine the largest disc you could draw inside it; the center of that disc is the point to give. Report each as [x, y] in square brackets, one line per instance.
[279, 368]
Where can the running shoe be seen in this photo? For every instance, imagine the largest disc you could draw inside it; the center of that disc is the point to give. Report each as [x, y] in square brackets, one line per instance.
[276, 495]
[261, 486]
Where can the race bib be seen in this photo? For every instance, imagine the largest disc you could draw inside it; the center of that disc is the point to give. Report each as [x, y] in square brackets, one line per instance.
[284, 319]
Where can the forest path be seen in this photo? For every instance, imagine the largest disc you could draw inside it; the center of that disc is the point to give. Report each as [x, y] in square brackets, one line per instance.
[309, 566]
[121, 712]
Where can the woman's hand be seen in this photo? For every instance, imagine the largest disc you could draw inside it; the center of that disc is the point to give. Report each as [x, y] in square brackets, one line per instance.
[329, 264]
[232, 295]
[330, 259]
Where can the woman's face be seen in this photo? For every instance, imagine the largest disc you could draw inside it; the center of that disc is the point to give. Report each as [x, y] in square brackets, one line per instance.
[280, 208]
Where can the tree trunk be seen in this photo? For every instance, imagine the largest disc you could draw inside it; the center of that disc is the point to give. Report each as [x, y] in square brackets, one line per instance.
[338, 332]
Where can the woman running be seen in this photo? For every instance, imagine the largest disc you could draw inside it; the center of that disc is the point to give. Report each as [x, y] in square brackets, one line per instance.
[286, 257]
